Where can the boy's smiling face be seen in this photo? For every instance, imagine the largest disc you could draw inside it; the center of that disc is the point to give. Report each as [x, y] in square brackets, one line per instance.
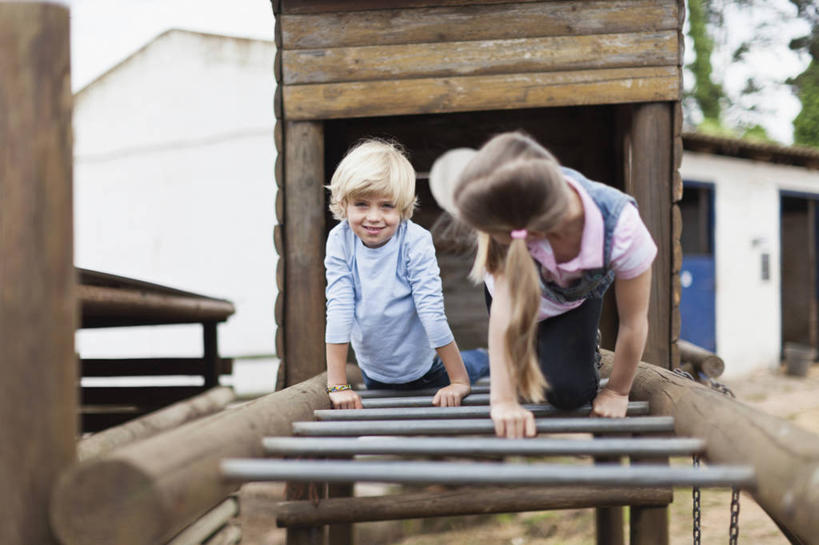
[373, 218]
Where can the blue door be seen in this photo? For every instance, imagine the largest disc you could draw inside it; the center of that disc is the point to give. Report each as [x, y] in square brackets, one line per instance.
[697, 313]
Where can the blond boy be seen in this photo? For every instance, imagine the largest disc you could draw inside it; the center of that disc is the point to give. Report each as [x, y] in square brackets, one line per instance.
[383, 286]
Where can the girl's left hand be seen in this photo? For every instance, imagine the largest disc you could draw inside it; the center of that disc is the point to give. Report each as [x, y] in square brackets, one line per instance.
[609, 404]
[451, 396]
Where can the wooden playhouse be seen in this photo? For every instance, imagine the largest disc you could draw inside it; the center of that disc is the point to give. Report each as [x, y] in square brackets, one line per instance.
[597, 82]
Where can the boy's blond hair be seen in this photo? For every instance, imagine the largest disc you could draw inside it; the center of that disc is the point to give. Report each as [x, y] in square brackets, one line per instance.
[373, 167]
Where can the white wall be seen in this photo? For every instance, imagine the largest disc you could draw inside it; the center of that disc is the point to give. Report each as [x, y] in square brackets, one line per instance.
[174, 184]
[746, 201]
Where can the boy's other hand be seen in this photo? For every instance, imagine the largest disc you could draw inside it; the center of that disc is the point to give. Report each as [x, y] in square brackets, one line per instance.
[513, 421]
[345, 399]
[451, 396]
[609, 404]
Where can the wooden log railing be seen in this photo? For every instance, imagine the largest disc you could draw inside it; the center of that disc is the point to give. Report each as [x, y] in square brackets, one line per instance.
[148, 491]
[696, 360]
[785, 457]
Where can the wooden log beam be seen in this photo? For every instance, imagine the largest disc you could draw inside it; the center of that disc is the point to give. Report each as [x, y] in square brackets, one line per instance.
[339, 27]
[479, 93]
[472, 58]
[38, 397]
[784, 456]
[463, 501]
[701, 359]
[165, 419]
[107, 307]
[145, 493]
[215, 519]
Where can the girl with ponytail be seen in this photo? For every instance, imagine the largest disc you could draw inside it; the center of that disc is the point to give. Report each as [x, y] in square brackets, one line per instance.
[550, 243]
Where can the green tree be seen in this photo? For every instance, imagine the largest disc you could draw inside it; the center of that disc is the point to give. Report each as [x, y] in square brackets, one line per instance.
[806, 84]
[706, 93]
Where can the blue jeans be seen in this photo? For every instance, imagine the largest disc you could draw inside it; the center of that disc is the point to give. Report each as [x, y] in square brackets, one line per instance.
[476, 363]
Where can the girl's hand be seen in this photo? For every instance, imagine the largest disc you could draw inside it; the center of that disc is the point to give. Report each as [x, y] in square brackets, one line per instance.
[513, 421]
[451, 396]
[345, 399]
[609, 404]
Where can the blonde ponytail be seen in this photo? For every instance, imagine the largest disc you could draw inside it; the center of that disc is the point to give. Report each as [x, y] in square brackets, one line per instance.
[521, 333]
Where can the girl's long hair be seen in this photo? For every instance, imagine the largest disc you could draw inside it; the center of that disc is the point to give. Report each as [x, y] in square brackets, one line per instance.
[513, 183]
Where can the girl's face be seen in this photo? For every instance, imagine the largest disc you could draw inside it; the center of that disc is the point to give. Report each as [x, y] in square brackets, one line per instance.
[373, 218]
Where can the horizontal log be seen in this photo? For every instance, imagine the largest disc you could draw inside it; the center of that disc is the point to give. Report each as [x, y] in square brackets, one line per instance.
[412, 413]
[209, 524]
[463, 23]
[366, 394]
[140, 396]
[464, 501]
[97, 421]
[112, 307]
[639, 424]
[170, 417]
[784, 456]
[484, 57]
[485, 446]
[455, 473]
[137, 367]
[701, 359]
[229, 535]
[418, 401]
[475, 93]
[150, 490]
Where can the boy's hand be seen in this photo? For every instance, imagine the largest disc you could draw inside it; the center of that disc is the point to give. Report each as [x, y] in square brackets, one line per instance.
[345, 399]
[451, 396]
[609, 404]
[513, 421]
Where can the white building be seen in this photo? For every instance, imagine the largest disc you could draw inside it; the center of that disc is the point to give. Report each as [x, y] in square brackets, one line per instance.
[749, 208]
[173, 178]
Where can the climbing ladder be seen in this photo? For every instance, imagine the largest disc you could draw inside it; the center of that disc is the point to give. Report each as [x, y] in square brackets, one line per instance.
[394, 437]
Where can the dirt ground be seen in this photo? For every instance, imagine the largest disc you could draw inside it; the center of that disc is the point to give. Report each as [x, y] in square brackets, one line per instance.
[794, 399]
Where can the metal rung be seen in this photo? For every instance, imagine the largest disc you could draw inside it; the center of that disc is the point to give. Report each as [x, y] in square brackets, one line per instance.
[480, 387]
[485, 446]
[639, 424]
[635, 408]
[343, 471]
[368, 394]
[418, 401]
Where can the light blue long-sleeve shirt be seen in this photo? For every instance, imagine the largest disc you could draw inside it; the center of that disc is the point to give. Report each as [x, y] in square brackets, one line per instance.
[387, 301]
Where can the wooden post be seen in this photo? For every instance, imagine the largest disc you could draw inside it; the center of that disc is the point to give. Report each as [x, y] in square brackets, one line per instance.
[648, 178]
[648, 525]
[304, 251]
[608, 520]
[38, 397]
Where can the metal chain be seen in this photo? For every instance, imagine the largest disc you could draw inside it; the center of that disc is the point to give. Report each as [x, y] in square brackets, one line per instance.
[684, 374]
[733, 532]
[696, 509]
[721, 388]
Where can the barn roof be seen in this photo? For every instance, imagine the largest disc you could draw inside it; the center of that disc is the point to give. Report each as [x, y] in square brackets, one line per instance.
[801, 156]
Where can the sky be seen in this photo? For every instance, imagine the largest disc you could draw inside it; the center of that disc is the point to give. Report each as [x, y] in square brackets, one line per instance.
[103, 32]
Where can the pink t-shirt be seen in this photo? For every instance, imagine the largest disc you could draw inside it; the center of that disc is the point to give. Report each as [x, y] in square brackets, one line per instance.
[632, 251]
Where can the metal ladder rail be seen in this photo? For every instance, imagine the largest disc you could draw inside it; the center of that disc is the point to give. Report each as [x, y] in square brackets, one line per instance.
[606, 483]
